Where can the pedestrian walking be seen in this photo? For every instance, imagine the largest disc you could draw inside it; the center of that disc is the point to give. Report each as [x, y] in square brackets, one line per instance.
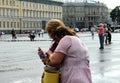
[32, 35]
[13, 34]
[41, 33]
[1, 33]
[109, 33]
[71, 54]
[92, 30]
[106, 34]
[101, 35]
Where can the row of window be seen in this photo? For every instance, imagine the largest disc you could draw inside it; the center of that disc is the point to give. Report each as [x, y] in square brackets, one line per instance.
[8, 24]
[9, 12]
[9, 2]
[88, 11]
[41, 14]
[24, 24]
[29, 13]
[30, 5]
[82, 19]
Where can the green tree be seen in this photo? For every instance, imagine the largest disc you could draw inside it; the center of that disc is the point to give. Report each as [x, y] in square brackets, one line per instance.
[115, 14]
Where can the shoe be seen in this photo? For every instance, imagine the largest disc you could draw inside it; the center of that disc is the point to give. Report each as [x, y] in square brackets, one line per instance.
[101, 48]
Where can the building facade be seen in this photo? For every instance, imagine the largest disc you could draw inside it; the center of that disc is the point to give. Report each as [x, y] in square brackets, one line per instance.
[84, 14]
[24, 15]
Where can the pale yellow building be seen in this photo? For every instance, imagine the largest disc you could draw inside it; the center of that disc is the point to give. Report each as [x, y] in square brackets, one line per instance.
[24, 15]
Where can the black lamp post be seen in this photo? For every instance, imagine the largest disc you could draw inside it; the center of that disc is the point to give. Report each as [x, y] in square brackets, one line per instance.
[20, 26]
[20, 23]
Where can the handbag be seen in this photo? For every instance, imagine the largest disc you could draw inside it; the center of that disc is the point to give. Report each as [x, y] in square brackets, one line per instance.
[50, 75]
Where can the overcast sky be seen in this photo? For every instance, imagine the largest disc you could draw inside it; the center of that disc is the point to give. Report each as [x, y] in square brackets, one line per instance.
[110, 3]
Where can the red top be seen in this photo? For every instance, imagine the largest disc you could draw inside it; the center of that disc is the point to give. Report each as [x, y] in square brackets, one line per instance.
[100, 30]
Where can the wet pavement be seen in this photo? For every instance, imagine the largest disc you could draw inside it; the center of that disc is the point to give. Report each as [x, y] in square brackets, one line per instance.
[19, 62]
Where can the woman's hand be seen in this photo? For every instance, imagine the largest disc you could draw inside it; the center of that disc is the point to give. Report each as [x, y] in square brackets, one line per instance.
[41, 53]
[43, 56]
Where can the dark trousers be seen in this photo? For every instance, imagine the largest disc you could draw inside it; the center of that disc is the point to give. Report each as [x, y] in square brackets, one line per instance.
[109, 37]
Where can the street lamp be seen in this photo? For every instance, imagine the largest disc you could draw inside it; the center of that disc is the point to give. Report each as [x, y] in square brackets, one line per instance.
[20, 26]
[85, 14]
[20, 23]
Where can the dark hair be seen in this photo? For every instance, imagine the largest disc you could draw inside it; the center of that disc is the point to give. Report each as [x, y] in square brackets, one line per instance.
[62, 32]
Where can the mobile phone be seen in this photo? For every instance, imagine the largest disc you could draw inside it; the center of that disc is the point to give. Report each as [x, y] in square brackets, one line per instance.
[42, 56]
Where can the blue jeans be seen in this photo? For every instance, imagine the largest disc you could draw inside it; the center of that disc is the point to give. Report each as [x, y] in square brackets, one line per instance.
[101, 40]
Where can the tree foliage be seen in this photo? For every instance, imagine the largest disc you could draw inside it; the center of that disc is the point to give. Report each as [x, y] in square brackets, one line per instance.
[115, 14]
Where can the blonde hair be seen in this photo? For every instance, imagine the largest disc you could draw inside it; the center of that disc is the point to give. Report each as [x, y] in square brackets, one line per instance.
[54, 24]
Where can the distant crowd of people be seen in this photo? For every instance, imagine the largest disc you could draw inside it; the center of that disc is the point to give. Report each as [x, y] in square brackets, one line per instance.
[32, 34]
[104, 33]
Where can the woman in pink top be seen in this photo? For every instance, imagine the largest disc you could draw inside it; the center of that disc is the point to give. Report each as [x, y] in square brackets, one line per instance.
[71, 54]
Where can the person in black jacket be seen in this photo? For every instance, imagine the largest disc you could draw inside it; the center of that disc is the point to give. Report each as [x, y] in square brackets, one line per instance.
[109, 33]
[13, 34]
